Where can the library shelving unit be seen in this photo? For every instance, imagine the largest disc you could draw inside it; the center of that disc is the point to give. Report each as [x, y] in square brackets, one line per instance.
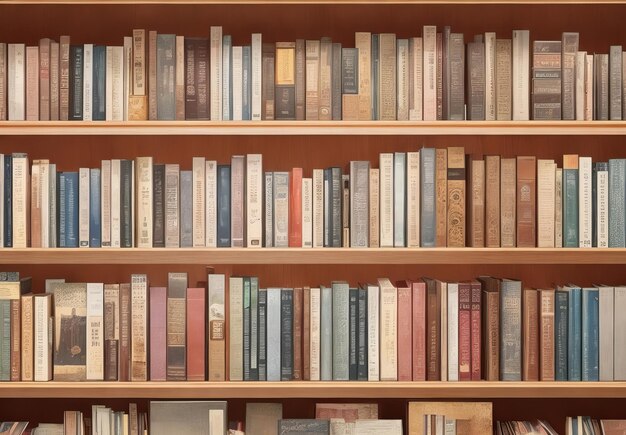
[313, 145]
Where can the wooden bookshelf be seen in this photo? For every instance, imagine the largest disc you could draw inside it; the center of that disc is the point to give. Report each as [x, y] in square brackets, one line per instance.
[306, 2]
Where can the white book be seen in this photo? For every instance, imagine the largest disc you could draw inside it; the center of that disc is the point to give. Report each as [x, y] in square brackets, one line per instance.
[108, 84]
[318, 208]
[315, 328]
[558, 208]
[115, 204]
[87, 81]
[16, 81]
[581, 57]
[388, 330]
[95, 331]
[584, 202]
[417, 63]
[490, 76]
[619, 334]
[216, 421]
[44, 193]
[254, 200]
[307, 212]
[606, 310]
[216, 73]
[429, 72]
[1, 201]
[35, 198]
[373, 349]
[453, 331]
[386, 200]
[521, 74]
[281, 209]
[83, 207]
[237, 83]
[105, 200]
[589, 92]
[210, 173]
[273, 334]
[413, 198]
[546, 177]
[115, 84]
[21, 203]
[144, 174]
[128, 62]
[198, 203]
[43, 338]
[139, 327]
[378, 427]
[172, 206]
[269, 209]
[236, 328]
[52, 202]
[443, 344]
[402, 89]
[256, 76]
[602, 207]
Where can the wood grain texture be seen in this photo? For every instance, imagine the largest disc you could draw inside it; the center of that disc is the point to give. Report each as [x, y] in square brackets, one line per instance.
[286, 2]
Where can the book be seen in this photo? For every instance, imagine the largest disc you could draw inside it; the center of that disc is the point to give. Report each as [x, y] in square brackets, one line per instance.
[176, 326]
[263, 418]
[193, 417]
[70, 344]
[217, 328]
[520, 74]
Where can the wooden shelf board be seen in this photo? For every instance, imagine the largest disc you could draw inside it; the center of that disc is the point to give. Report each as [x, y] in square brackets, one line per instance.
[317, 128]
[356, 2]
[288, 390]
[313, 256]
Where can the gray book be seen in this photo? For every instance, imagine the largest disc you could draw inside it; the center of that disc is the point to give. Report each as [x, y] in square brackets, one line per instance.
[254, 328]
[399, 200]
[262, 418]
[350, 71]
[336, 215]
[569, 48]
[186, 215]
[326, 334]
[52, 203]
[166, 77]
[427, 188]
[476, 81]
[188, 417]
[359, 204]
[303, 426]
[511, 330]
[456, 78]
[619, 340]
[281, 209]
[227, 77]
[341, 322]
[615, 83]
[336, 81]
[601, 77]
[269, 210]
[617, 203]
[176, 352]
[273, 334]
[606, 307]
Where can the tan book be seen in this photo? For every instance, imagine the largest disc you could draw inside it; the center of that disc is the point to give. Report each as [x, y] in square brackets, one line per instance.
[429, 71]
[386, 200]
[504, 89]
[54, 80]
[43, 324]
[363, 42]
[263, 418]
[441, 194]
[35, 205]
[21, 201]
[349, 412]
[476, 209]
[387, 77]
[558, 208]
[546, 177]
[139, 62]
[64, 77]
[490, 76]
[180, 78]
[198, 202]
[589, 90]
[492, 201]
[350, 107]
[526, 201]
[507, 202]
[143, 171]
[215, 75]
[44, 79]
[388, 331]
[217, 328]
[416, 65]
[546, 335]
[477, 415]
[139, 328]
[374, 214]
[456, 197]
[312, 79]
[152, 75]
[325, 76]
[235, 336]
[95, 332]
[413, 199]
[530, 328]
[32, 83]
[27, 336]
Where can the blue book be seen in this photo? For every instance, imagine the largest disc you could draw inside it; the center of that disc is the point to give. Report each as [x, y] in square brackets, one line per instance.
[399, 200]
[76, 83]
[70, 209]
[574, 335]
[223, 206]
[166, 77]
[617, 203]
[8, 201]
[247, 83]
[326, 334]
[561, 324]
[98, 112]
[286, 334]
[427, 188]
[95, 227]
[375, 61]
[227, 78]
[590, 335]
[570, 203]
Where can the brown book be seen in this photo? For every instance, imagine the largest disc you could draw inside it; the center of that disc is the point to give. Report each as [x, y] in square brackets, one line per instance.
[111, 351]
[268, 60]
[297, 333]
[405, 339]
[4, 67]
[456, 197]
[433, 330]
[32, 83]
[465, 331]
[492, 201]
[349, 412]
[196, 336]
[70, 422]
[546, 335]
[530, 334]
[54, 81]
[295, 208]
[526, 204]
[476, 208]
[419, 330]
[306, 334]
[176, 327]
[285, 81]
[300, 79]
[111, 330]
[16, 354]
[64, 77]
[44, 79]
[180, 78]
[133, 419]
[350, 107]
[125, 337]
[490, 328]
[476, 330]
[441, 192]
[507, 202]
[27, 337]
[476, 416]
[152, 75]
[217, 327]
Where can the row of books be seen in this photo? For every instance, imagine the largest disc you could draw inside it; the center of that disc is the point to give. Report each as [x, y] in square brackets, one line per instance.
[437, 76]
[581, 425]
[421, 330]
[427, 198]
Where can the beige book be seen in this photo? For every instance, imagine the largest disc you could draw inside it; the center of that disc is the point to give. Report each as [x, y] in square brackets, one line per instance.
[387, 78]
[139, 62]
[416, 59]
[546, 173]
[257, 67]
[312, 79]
[508, 183]
[441, 197]
[35, 206]
[350, 107]
[21, 201]
[42, 337]
[127, 74]
[325, 80]
[558, 208]
[477, 417]
[579, 103]
[210, 232]
[521, 71]
[44, 79]
[315, 328]
[443, 338]
[44, 198]
[105, 195]
[413, 198]
[139, 328]
[95, 332]
[32, 83]
[429, 72]
[198, 201]
[490, 76]
[386, 200]
[363, 41]
[152, 76]
[112, 304]
[589, 92]
[115, 203]
[216, 90]
[83, 207]
[585, 205]
[87, 82]
[374, 189]
[143, 171]
[237, 72]
[64, 76]
[456, 197]
[318, 208]
[217, 325]
[54, 81]
[388, 330]
[254, 200]
[16, 82]
[27, 331]
[180, 78]
[262, 418]
[373, 333]
[492, 201]
[307, 212]
[477, 207]
[235, 316]
[504, 88]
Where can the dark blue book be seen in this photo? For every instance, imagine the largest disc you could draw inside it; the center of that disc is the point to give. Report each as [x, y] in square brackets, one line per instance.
[561, 324]
[223, 206]
[362, 336]
[590, 335]
[286, 334]
[574, 335]
[247, 83]
[374, 77]
[98, 111]
[246, 329]
[262, 335]
[95, 219]
[126, 207]
[353, 336]
[8, 201]
[76, 83]
[166, 77]
[68, 210]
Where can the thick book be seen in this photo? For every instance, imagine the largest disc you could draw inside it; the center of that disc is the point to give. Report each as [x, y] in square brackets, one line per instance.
[546, 191]
[76, 67]
[490, 327]
[176, 326]
[139, 328]
[268, 102]
[530, 326]
[98, 106]
[404, 323]
[464, 334]
[158, 333]
[546, 80]
[456, 197]
[359, 204]
[476, 206]
[285, 81]
[196, 78]
[508, 184]
[570, 201]
[476, 86]
[166, 76]
[340, 328]
[428, 198]
[590, 335]
[546, 335]
[215, 74]
[617, 203]
[526, 202]
[574, 334]
[441, 197]
[195, 333]
[511, 330]
[216, 332]
[70, 344]
[569, 77]
[520, 74]
[95, 332]
[235, 333]
[295, 208]
[237, 201]
[273, 334]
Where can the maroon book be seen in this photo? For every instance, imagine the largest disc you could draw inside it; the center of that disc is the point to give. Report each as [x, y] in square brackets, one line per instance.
[419, 331]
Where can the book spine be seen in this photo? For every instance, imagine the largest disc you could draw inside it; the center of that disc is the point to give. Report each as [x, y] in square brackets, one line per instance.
[237, 205]
[5, 340]
[590, 335]
[281, 209]
[427, 189]
[585, 206]
[336, 82]
[476, 85]
[95, 204]
[373, 350]
[268, 92]
[574, 335]
[236, 328]
[16, 82]
[32, 83]
[227, 78]
[99, 83]
[158, 333]
[172, 206]
[570, 201]
[158, 206]
[44, 78]
[195, 334]
[268, 230]
[153, 72]
[295, 208]
[3, 81]
[95, 332]
[126, 205]
[388, 332]
[217, 328]
[363, 42]
[456, 197]
[198, 202]
[399, 200]
[179, 86]
[520, 74]
[441, 197]
[477, 339]
[76, 83]
[246, 329]
[223, 206]
[15, 341]
[353, 334]
[507, 202]
[83, 207]
[216, 90]
[359, 204]
[340, 331]
[307, 212]
[273, 334]
[362, 335]
[286, 334]
[546, 336]
[176, 327]
[429, 36]
[387, 76]
[606, 325]
[300, 83]
[27, 337]
[263, 334]
[297, 334]
[465, 330]
[617, 209]
[125, 333]
[144, 212]
[386, 200]
[561, 322]
[530, 325]
[139, 328]
[526, 202]
[546, 173]
[166, 78]
[256, 82]
[405, 339]
[326, 334]
[510, 331]
[569, 46]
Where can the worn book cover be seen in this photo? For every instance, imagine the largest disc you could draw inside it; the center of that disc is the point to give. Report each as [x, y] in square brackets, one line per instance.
[70, 344]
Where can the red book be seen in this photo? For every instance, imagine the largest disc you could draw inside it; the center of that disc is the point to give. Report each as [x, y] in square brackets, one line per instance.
[476, 338]
[158, 334]
[295, 208]
[196, 336]
[465, 333]
[419, 331]
[405, 338]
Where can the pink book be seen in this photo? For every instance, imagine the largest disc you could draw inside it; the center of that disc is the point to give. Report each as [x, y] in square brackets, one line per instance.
[158, 342]
[419, 331]
[405, 354]
[196, 335]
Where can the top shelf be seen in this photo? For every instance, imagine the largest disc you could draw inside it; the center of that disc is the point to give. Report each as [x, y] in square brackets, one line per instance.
[356, 2]
[313, 128]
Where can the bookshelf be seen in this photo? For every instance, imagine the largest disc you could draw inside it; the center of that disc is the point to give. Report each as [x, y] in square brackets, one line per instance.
[310, 145]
